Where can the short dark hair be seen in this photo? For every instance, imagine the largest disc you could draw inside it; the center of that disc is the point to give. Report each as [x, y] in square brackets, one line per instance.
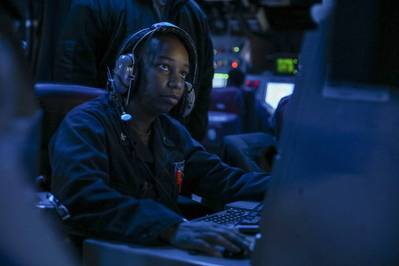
[236, 78]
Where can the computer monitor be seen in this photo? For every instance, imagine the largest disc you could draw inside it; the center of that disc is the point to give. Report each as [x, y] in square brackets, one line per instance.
[220, 80]
[276, 90]
[286, 66]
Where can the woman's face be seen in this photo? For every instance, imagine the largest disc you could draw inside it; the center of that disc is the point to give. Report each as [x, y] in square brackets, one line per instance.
[163, 73]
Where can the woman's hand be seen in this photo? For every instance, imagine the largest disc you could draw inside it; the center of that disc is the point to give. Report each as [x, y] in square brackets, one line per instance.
[207, 238]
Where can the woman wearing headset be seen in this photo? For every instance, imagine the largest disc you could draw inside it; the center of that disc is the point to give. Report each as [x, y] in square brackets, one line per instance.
[119, 161]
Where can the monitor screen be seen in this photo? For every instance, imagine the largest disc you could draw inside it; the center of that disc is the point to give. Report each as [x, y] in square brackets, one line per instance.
[219, 80]
[275, 91]
[286, 66]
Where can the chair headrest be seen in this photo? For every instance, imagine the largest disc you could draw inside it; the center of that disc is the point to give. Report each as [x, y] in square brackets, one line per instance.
[54, 89]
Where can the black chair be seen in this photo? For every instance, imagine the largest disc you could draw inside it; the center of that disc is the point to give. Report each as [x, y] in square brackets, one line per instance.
[56, 100]
[250, 152]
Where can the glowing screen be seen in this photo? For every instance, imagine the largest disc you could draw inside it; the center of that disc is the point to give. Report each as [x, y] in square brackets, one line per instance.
[219, 80]
[286, 66]
[275, 91]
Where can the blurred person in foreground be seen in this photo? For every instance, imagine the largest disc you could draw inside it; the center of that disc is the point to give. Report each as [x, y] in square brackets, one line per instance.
[27, 238]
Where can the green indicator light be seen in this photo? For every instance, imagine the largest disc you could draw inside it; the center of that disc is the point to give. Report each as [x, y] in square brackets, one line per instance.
[221, 76]
[236, 49]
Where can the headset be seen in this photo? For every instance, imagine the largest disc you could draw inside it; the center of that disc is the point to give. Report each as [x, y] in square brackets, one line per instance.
[125, 71]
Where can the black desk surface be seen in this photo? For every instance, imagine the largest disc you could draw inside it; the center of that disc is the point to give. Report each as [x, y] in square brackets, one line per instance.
[101, 253]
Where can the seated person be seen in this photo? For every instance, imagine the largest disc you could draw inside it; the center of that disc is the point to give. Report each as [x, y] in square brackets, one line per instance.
[236, 78]
[255, 116]
[229, 99]
[120, 178]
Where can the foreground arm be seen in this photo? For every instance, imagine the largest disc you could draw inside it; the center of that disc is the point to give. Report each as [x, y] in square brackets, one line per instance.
[207, 176]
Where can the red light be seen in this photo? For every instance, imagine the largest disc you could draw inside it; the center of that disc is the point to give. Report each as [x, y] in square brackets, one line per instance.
[253, 84]
[234, 64]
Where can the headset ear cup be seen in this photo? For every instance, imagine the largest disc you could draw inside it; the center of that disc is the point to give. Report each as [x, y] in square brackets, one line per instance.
[124, 72]
[189, 100]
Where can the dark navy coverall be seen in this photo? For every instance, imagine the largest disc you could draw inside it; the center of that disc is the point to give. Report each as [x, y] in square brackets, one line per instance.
[117, 188]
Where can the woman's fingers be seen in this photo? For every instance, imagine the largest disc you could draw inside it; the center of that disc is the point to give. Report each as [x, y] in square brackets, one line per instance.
[216, 238]
[209, 238]
[203, 246]
[235, 237]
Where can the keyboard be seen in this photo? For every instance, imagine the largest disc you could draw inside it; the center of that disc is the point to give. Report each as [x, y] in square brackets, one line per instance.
[247, 221]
